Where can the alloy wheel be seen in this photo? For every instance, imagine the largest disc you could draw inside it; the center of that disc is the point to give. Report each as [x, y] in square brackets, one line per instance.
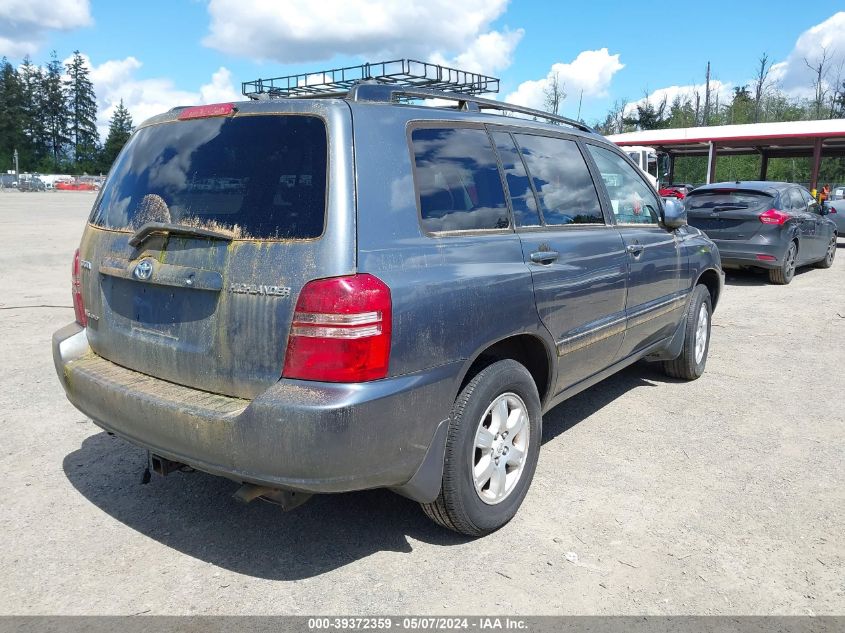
[500, 448]
[701, 333]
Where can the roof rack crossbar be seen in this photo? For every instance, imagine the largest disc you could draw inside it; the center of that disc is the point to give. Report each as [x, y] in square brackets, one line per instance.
[387, 93]
[404, 72]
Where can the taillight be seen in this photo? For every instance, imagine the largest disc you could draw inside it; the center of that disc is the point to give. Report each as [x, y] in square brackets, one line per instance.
[773, 216]
[340, 330]
[831, 210]
[76, 291]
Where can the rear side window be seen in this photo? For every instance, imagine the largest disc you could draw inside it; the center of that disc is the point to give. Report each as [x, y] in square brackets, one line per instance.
[728, 200]
[796, 202]
[457, 180]
[562, 180]
[261, 177]
[522, 196]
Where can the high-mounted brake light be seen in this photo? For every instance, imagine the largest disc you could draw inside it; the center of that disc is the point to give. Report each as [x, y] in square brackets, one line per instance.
[773, 216]
[206, 111]
[340, 330]
[76, 291]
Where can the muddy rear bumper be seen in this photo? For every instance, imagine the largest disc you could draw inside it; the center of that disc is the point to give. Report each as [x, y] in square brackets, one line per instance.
[297, 435]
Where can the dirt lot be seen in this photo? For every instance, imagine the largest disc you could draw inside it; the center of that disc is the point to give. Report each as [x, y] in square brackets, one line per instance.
[725, 495]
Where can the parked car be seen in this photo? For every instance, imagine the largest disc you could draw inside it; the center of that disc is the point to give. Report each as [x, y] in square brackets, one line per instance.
[675, 191]
[776, 226]
[386, 296]
[836, 212]
[31, 184]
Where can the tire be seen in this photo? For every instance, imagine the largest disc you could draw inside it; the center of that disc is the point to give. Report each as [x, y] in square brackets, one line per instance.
[783, 275]
[690, 364]
[830, 254]
[461, 506]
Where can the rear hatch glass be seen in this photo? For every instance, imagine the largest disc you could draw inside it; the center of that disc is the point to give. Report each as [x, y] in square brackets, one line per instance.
[206, 301]
[255, 177]
[731, 214]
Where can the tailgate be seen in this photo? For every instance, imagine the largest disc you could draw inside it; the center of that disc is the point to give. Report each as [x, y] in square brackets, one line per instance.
[242, 218]
[728, 214]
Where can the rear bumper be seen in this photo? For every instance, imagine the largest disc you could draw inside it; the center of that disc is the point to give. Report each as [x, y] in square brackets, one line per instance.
[738, 254]
[297, 435]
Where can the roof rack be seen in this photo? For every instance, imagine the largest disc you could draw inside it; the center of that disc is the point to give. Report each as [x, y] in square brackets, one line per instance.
[338, 81]
[387, 94]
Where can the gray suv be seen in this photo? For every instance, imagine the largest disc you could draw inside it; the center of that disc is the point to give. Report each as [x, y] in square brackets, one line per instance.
[325, 295]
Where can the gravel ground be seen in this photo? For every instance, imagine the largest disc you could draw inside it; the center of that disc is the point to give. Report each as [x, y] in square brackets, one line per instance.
[722, 496]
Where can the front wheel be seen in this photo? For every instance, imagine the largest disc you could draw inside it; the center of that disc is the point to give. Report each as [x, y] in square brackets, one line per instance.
[690, 364]
[492, 449]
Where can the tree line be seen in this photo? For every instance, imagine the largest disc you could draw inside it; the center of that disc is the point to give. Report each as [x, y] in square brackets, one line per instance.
[759, 101]
[48, 114]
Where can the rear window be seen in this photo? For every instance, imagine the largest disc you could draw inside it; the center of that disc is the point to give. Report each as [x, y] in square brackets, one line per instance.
[257, 177]
[725, 200]
[457, 180]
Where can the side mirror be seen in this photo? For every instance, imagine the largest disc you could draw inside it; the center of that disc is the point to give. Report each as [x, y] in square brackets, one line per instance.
[674, 213]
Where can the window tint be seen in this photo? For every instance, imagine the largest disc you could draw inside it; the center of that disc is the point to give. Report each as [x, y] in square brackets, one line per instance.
[522, 196]
[728, 199]
[633, 201]
[457, 179]
[257, 176]
[562, 180]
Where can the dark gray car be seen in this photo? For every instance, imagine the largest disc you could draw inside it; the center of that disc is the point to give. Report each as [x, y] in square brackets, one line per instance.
[777, 226]
[325, 295]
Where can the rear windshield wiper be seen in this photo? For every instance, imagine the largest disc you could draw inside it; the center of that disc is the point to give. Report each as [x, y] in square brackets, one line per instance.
[167, 228]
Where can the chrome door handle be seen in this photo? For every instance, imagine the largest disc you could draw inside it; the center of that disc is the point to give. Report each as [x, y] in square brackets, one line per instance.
[544, 257]
[635, 250]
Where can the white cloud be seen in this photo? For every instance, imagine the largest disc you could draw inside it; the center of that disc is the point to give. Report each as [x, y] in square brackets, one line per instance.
[115, 80]
[590, 71]
[24, 23]
[792, 74]
[720, 89]
[305, 30]
[489, 52]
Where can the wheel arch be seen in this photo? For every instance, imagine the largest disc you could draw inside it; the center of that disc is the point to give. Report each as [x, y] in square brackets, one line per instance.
[711, 280]
[530, 350]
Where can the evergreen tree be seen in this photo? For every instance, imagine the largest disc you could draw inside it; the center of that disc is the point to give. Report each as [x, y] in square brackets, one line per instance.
[11, 120]
[120, 127]
[32, 114]
[82, 111]
[55, 113]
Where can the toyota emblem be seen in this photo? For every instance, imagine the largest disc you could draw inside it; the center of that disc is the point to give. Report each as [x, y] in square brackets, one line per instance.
[143, 270]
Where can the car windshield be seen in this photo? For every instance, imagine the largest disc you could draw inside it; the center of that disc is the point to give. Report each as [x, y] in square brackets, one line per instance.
[261, 177]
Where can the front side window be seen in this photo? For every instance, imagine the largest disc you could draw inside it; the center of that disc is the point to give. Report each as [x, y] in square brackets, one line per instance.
[457, 180]
[562, 180]
[633, 202]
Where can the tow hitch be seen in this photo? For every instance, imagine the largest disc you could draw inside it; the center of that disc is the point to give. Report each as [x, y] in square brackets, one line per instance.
[288, 499]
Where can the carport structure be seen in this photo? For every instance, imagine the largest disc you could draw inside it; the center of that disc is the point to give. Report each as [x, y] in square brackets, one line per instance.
[794, 139]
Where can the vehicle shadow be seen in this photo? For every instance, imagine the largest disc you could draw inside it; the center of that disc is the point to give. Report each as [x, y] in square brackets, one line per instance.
[576, 409]
[195, 514]
[738, 277]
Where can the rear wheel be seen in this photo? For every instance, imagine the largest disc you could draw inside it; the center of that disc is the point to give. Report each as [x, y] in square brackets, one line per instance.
[786, 272]
[830, 254]
[491, 451]
[690, 364]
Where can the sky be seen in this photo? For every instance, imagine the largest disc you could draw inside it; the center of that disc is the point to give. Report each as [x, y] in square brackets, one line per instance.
[160, 53]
